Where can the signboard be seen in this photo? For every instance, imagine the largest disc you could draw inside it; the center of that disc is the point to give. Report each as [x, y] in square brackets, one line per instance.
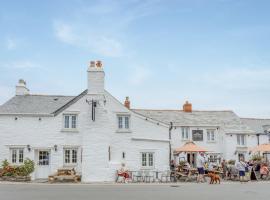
[197, 135]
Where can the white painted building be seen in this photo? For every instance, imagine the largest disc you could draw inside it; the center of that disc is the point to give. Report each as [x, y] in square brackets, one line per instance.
[95, 133]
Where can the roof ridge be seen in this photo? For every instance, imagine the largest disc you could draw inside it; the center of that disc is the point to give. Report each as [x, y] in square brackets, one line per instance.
[50, 95]
[183, 111]
[252, 118]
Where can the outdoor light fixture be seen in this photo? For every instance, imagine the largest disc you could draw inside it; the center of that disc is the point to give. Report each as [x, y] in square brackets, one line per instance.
[28, 147]
[55, 147]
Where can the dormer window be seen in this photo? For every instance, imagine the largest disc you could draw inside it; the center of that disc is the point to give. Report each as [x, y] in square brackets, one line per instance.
[70, 121]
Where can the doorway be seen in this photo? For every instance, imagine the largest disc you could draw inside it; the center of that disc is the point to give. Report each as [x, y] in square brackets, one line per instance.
[43, 163]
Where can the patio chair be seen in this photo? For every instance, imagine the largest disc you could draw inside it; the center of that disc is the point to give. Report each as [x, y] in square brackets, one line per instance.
[148, 175]
[138, 176]
[166, 175]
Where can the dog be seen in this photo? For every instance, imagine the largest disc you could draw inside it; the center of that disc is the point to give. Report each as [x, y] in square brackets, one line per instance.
[214, 178]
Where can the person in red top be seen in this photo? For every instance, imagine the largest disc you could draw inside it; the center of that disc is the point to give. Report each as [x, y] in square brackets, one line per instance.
[124, 172]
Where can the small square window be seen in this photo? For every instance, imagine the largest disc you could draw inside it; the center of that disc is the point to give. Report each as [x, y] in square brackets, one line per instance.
[123, 122]
[70, 121]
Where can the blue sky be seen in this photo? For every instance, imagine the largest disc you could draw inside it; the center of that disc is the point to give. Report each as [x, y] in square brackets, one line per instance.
[214, 53]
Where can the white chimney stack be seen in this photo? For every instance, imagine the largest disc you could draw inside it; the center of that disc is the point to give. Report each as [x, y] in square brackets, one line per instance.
[95, 78]
[21, 88]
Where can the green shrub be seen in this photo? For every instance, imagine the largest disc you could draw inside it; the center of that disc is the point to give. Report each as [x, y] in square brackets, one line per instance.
[256, 157]
[231, 162]
[22, 170]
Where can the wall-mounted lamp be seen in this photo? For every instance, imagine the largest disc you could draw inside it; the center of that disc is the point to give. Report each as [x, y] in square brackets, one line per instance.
[28, 147]
[39, 119]
[16, 118]
[55, 147]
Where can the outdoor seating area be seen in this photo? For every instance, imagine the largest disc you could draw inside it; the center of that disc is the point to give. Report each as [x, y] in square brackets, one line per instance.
[146, 176]
[64, 175]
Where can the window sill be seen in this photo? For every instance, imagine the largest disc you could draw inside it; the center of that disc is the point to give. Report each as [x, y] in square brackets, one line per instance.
[70, 165]
[147, 168]
[123, 131]
[70, 130]
[212, 141]
[185, 140]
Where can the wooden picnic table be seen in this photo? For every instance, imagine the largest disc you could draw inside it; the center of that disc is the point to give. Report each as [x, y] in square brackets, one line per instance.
[65, 174]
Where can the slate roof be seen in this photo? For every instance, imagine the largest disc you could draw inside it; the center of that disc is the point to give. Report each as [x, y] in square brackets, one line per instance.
[258, 125]
[34, 104]
[227, 120]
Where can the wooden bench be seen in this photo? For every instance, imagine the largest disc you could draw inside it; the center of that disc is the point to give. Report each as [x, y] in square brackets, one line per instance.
[65, 174]
[75, 178]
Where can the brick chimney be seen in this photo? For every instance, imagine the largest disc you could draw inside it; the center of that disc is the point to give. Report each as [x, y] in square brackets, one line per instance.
[21, 88]
[187, 107]
[127, 103]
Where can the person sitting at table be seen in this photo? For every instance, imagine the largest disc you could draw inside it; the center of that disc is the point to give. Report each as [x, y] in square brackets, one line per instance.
[264, 171]
[123, 172]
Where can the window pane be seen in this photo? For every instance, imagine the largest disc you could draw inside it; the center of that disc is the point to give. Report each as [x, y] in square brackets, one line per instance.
[67, 156]
[73, 121]
[74, 156]
[127, 122]
[66, 121]
[21, 156]
[44, 158]
[150, 159]
[120, 122]
[208, 135]
[213, 136]
[186, 133]
[183, 133]
[14, 156]
[242, 140]
[144, 159]
[238, 139]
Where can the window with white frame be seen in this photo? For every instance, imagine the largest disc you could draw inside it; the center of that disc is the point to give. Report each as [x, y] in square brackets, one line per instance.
[70, 121]
[241, 140]
[147, 159]
[185, 133]
[123, 122]
[17, 155]
[211, 135]
[70, 156]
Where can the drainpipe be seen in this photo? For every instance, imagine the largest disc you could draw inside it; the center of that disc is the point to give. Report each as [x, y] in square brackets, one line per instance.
[258, 138]
[170, 146]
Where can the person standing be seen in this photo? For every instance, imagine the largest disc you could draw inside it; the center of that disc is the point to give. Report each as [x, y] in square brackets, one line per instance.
[200, 167]
[241, 167]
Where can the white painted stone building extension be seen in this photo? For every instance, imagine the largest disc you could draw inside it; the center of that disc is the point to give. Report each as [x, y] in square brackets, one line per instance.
[59, 131]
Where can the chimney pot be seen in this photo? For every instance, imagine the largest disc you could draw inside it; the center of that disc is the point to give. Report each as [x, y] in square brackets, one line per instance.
[127, 103]
[21, 88]
[99, 64]
[187, 107]
[92, 63]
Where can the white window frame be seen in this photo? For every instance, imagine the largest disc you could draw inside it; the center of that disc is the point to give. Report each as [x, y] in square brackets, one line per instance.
[18, 160]
[71, 154]
[241, 140]
[185, 133]
[125, 124]
[148, 164]
[70, 126]
[211, 135]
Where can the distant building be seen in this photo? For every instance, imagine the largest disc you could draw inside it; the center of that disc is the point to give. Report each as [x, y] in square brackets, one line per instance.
[95, 133]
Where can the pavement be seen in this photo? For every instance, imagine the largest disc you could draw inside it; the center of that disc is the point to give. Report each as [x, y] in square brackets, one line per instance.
[190, 191]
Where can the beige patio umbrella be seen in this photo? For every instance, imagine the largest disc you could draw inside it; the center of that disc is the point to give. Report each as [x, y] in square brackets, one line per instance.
[190, 147]
[261, 148]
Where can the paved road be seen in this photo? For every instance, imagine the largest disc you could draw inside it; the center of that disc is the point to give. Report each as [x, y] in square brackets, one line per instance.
[224, 191]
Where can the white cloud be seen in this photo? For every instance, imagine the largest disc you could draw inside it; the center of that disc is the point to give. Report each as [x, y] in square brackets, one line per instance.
[11, 44]
[88, 39]
[139, 75]
[24, 64]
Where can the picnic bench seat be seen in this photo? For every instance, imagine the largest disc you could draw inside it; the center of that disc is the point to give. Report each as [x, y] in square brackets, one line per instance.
[65, 175]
